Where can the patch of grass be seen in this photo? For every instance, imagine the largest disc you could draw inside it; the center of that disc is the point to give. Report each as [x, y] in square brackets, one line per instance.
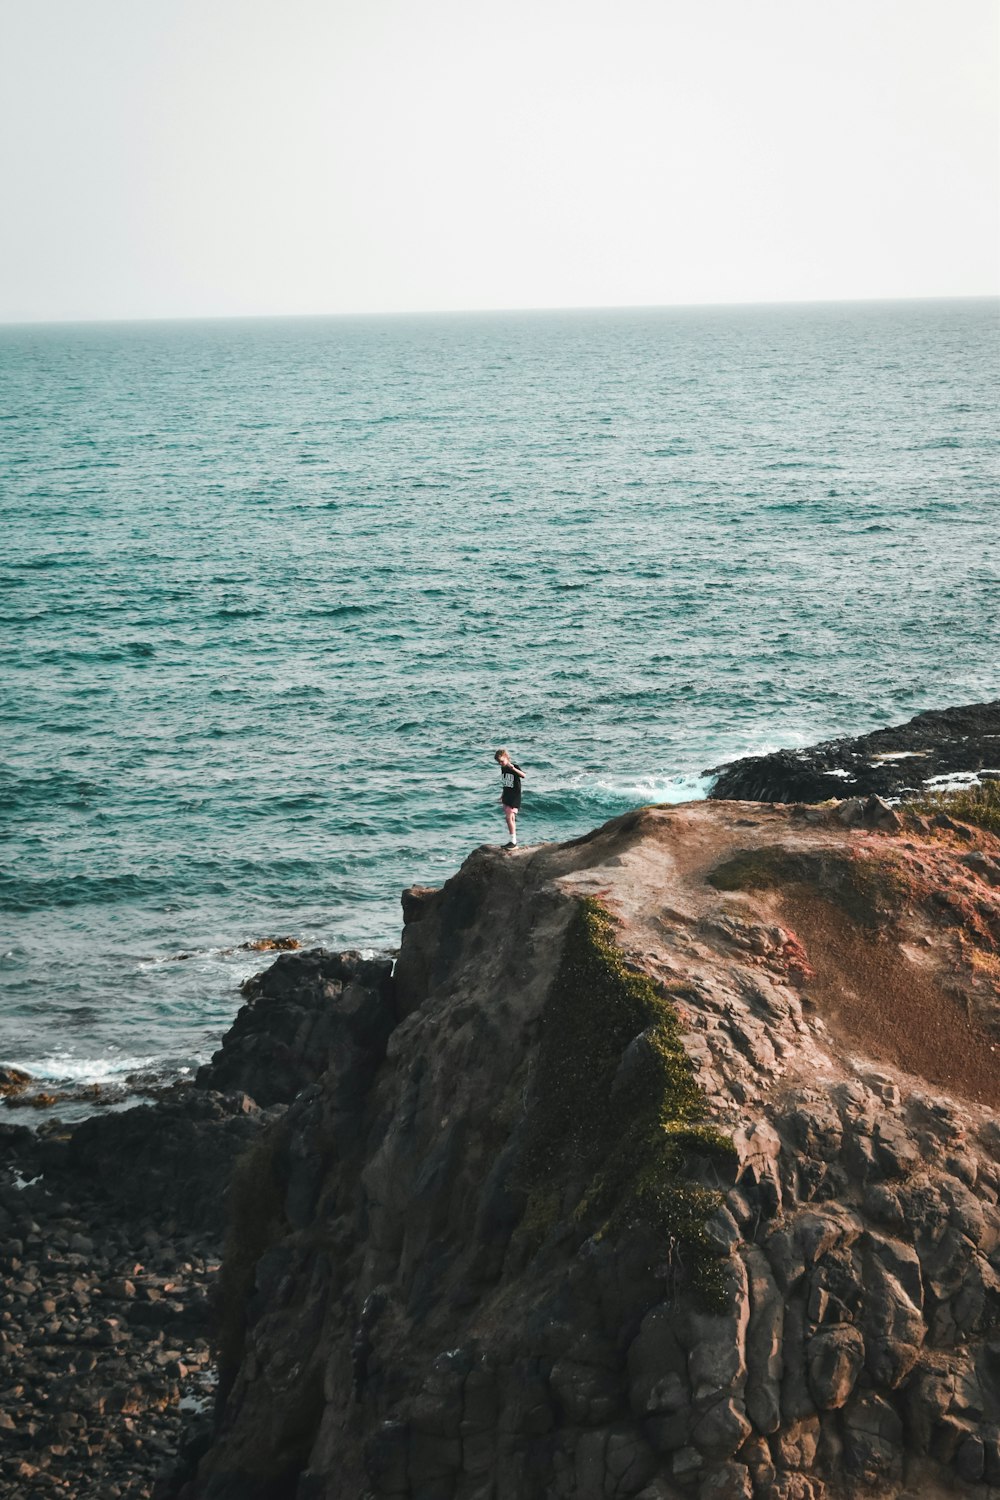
[979, 805]
[623, 1135]
[986, 963]
[255, 1221]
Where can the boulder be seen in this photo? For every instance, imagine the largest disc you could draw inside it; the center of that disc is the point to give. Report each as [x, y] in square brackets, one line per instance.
[835, 1357]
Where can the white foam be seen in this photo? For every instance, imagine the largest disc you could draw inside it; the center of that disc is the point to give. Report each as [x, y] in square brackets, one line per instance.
[899, 755]
[62, 1067]
[953, 781]
[650, 789]
[844, 775]
[799, 741]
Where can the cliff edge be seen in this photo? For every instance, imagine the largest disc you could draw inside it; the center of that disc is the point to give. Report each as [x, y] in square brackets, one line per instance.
[664, 1165]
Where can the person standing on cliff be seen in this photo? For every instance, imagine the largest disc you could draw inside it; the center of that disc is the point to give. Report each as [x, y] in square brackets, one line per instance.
[511, 777]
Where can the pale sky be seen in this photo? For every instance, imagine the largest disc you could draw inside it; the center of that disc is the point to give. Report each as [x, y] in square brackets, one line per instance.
[179, 158]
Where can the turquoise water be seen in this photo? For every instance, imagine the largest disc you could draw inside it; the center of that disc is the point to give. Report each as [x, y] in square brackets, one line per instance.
[273, 592]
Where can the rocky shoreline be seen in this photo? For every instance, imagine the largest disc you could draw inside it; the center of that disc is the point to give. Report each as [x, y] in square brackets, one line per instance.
[19, 1090]
[104, 1349]
[414, 1233]
[111, 1238]
[942, 747]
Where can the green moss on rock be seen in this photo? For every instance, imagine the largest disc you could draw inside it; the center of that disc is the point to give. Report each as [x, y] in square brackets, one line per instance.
[615, 1130]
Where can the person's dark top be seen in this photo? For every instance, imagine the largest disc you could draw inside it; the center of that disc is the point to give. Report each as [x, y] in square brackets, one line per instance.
[510, 778]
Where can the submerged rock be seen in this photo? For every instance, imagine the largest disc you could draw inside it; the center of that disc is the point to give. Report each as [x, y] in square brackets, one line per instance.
[13, 1082]
[272, 945]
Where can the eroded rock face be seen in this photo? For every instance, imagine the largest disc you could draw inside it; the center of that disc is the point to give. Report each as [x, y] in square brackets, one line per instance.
[427, 1319]
[305, 1011]
[885, 763]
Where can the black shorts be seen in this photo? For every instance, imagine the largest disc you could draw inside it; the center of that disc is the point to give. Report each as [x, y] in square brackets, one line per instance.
[511, 799]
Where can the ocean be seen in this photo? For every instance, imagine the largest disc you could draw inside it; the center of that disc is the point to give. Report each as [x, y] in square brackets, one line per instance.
[273, 592]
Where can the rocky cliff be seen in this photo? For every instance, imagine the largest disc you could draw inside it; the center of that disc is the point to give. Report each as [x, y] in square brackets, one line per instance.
[665, 1164]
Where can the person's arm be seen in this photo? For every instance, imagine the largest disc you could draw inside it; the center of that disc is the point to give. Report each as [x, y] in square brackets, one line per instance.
[516, 769]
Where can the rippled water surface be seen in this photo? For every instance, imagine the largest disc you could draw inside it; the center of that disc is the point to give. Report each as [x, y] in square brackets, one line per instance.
[273, 592]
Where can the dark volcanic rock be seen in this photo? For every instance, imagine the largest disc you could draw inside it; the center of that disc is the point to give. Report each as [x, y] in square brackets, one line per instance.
[300, 1013]
[171, 1160]
[308, 1014]
[886, 763]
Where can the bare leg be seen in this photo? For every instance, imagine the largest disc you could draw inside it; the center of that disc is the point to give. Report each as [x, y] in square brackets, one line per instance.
[510, 814]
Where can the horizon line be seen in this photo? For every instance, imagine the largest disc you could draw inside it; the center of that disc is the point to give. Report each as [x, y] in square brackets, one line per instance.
[470, 312]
